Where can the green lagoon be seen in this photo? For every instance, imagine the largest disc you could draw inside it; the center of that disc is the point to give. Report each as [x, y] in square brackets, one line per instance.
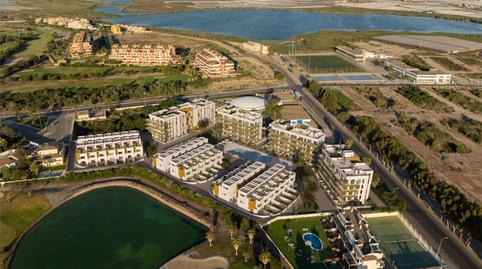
[108, 228]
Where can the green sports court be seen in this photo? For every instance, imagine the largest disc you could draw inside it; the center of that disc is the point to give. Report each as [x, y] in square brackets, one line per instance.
[399, 244]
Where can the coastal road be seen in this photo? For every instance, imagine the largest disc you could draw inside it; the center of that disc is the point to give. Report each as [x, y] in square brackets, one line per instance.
[425, 221]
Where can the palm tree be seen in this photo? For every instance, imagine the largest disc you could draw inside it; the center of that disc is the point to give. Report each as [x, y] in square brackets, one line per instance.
[34, 169]
[231, 230]
[203, 124]
[265, 257]
[246, 256]
[236, 244]
[210, 237]
[251, 233]
[349, 143]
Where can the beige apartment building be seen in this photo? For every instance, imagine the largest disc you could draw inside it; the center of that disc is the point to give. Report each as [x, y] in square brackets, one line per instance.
[122, 28]
[287, 138]
[344, 175]
[213, 64]
[168, 124]
[239, 125]
[73, 23]
[50, 155]
[108, 149]
[145, 55]
[82, 45]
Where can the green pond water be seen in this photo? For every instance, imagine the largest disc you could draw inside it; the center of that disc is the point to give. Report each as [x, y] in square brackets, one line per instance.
[108, 228]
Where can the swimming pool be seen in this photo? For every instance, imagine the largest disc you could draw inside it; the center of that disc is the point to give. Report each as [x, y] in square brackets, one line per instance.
[315, 241]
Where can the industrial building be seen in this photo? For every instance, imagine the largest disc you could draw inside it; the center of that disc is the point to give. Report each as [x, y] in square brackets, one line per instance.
[289, 138]
[239, 125]
[145, 55]
[108, 148]
[257, 188]
[417, 76]
[346, 178]
[212, 64]
[194, 161]
[168, 124]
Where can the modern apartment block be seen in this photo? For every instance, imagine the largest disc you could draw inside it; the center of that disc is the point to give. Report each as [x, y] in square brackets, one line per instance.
[257, 188]
[240, 125]
[145, 55]
[287, 138]
[82, 45]
[168, 124]
[213, 64]
[195, 160]
[417, 76]
[109, 148]
[362, 248]
[269, 193]
[73, 23]
[345, 176]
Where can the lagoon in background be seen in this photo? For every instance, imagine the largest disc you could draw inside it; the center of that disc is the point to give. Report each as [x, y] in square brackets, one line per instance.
[108, 228]
[266, 24]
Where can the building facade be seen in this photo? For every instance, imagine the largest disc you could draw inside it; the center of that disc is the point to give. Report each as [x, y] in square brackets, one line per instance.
[353, 54]
[109, 148]
[287, 138]
[213, 64]
[345, 176]
[168, 124]
[195, 160]
[145, 55]
[239, 125]
[50, 155]
[82, 45]
[73, 23]
[256, 47]
[417, 76]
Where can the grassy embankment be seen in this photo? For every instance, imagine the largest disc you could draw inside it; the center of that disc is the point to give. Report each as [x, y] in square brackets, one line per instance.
[31, 9]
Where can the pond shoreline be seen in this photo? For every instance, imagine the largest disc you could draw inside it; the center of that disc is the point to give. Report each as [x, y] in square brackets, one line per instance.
[135, 183]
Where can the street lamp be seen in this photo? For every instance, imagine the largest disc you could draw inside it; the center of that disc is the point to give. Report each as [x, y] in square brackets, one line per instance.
[440, 244]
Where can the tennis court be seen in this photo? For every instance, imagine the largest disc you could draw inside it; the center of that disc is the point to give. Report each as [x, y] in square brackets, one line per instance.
[398, 243]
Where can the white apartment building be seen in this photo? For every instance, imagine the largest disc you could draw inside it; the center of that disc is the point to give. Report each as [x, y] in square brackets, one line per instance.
[73, 23]
[213, 64]
[195, 160]
[227, 187]
[290, 137]
[269, 193]
[168, 124]
[417, 76]
[343, 174]
[145, 55]
[239, 125]
[256, 47]
[108, 148]
[356, 55]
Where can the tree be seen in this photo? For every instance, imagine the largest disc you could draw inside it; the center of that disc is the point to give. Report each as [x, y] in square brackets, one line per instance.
[349, 143]
[203, 124]
[251, 234]
[217, 131]
[236, 244]
[265, 257]
[367, 160]
[231, 230]
[246, 256]
[273, 109]
[210, 237]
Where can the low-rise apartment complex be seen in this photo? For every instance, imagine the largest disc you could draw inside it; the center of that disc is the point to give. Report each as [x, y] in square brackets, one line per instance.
[109, 148]
[82, 45]
[73, 23]
[213, 64]
[168, 124]
[122, 28]
[259, 189]
[288, 138]
[345, 176]
[256, 47]
[417, 76]
[195, 160]
[50, 155]
[239, 125]
[145, 55]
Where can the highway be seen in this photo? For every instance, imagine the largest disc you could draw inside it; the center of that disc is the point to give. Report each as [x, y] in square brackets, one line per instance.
[455, 254]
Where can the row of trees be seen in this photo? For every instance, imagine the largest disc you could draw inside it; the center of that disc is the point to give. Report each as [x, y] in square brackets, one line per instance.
[31, 101]
[333, 100]
[469, 127]
[453, 204]
[422, 99]
[20, 65]
[415, 61]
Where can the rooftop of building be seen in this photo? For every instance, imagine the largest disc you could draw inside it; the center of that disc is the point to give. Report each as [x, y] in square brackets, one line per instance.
[8, 160]
[128, 135]
[180, 148]
[239, 112]
[266, 181]
[249, 102]
[299, 128]
[210, 53]
[180, 109]
[346, 159]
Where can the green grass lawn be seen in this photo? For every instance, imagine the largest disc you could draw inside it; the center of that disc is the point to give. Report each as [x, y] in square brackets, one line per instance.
[326, 64]
[278, 230]
[17, 215]
[96, 82]
[36, 46]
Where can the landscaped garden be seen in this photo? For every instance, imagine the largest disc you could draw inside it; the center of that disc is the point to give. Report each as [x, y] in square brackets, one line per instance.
[290, 235]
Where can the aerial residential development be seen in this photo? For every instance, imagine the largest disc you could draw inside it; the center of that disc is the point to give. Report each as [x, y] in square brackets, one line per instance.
[240, 134]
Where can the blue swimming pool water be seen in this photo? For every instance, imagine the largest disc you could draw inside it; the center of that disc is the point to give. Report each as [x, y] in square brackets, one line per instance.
[360, 77]
[316, 242]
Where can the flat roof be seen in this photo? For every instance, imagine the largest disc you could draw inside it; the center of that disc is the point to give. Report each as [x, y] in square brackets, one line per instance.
[439, 43]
